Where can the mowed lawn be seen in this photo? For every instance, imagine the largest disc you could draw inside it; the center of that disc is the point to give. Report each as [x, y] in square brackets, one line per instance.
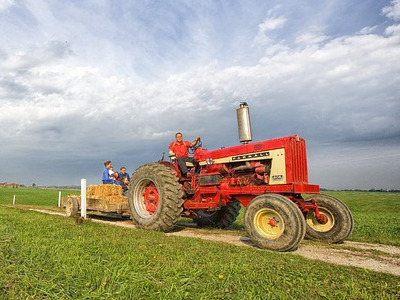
[50, 257]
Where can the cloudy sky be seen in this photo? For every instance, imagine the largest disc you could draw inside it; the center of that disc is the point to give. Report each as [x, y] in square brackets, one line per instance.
[82, 82]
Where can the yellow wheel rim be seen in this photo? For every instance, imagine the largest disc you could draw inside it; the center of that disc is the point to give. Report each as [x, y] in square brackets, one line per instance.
[269, 223]
[317, 226]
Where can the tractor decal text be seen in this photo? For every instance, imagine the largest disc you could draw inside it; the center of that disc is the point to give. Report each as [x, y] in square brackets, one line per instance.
[248, 156]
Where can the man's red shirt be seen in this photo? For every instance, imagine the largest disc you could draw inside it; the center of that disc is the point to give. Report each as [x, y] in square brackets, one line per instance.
[180, 149]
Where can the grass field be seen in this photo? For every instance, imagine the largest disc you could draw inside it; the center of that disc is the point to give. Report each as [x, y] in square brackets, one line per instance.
[50, 257]
[33, 196]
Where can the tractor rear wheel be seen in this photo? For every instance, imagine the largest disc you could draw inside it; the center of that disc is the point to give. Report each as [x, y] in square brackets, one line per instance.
[274, 222]
[155, 197]
[71, 206]
[222, 218]
[339, 220]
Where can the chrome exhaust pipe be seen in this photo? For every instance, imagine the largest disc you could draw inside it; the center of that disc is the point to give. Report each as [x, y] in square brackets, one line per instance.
[244, 124]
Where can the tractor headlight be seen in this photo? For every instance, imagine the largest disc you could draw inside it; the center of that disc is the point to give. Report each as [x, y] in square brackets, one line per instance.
[209, 161]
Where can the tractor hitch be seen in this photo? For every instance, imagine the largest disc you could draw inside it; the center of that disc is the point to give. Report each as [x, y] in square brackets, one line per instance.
[306, 206]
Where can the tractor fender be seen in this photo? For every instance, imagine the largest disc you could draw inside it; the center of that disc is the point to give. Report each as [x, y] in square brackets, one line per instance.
[200, 154]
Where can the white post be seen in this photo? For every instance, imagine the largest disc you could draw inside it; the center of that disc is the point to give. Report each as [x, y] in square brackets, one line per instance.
[59, 199]
[14, 200]
[83, 198]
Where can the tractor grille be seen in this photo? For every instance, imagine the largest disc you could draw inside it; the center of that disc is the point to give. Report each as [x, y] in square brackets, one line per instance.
[297, 147]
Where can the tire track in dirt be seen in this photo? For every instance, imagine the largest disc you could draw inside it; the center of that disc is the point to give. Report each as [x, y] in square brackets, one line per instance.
[375, 257]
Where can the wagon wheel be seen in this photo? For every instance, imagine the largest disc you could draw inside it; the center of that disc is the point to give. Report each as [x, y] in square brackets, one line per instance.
[222, 218]
[155, 197]
[71, 206]
[338, 223]
[274, 222]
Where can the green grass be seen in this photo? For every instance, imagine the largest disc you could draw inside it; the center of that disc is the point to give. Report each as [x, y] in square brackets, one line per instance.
[50, 257]
[33, 196]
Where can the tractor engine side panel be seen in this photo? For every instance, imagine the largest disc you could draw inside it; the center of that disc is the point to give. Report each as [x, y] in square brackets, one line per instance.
[288, 155]
[273, 160]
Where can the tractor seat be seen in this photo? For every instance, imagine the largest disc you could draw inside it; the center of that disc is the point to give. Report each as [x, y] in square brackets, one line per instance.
[172, 157]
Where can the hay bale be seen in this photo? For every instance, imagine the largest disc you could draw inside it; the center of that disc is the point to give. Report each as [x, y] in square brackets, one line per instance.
[104, 191]
[91, 191]
[117, 199]
[116, 190]
[98, 190]
[111, 193]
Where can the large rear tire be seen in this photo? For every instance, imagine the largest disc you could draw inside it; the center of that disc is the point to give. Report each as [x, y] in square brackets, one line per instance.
[155, 197]
[222, 218]
[274, 222]
[71, 206]
[339, 223]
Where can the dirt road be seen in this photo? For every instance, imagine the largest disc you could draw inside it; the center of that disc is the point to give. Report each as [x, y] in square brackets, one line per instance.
[380, 258]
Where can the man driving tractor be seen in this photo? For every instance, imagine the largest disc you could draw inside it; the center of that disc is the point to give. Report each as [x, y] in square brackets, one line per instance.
[180, 150]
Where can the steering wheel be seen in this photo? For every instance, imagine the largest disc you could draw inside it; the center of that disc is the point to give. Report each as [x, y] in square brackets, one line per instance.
[193, 149]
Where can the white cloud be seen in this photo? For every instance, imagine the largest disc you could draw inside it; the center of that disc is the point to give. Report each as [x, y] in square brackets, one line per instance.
[368, 29]
[269, 25]
[393, 30]
[310, 38]
[93, 90]
[345, 72]
[5, 4]
[35, 55]
[393, 10]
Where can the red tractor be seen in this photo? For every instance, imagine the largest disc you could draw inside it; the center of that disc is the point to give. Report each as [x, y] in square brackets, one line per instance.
[267, 177]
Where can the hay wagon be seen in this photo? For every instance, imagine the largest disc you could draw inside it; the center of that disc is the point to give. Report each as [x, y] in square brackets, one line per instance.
[105, 198]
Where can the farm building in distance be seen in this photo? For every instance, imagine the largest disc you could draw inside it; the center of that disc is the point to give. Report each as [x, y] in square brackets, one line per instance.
[10, 184]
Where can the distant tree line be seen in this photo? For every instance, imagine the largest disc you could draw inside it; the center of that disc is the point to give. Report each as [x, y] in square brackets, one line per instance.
[361, 190]
[62, 187]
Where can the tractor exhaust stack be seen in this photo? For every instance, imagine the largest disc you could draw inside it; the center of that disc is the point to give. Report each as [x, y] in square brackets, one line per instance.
[244, 124]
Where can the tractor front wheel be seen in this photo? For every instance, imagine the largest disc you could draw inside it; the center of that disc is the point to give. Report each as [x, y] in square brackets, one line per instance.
[274, 222]
[155, 197]
[338, 223]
